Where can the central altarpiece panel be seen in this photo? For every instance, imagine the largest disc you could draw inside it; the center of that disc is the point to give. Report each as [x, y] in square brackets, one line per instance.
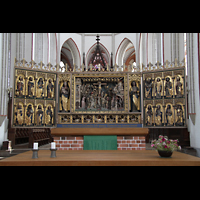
[98, 98]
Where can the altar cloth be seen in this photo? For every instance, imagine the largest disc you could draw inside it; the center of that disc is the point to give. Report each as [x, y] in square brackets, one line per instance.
[100, 142]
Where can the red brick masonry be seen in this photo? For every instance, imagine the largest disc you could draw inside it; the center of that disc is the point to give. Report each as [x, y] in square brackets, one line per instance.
[123, 143]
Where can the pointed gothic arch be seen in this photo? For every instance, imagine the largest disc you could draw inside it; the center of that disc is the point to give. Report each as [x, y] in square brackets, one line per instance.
[125, 52]
[74, 56]
[104, 52]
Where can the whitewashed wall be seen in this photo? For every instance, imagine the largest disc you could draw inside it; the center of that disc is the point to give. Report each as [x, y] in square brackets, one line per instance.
[193, 94]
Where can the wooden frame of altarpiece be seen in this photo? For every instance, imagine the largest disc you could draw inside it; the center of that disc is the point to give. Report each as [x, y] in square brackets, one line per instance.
[46, 97]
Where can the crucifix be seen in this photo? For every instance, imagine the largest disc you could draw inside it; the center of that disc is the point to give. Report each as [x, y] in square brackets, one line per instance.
[99, 96]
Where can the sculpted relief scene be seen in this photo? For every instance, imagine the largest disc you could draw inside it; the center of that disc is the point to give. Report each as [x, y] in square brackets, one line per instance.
[99, 94]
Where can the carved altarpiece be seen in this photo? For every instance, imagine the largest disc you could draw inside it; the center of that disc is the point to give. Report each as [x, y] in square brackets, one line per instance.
[47, 97]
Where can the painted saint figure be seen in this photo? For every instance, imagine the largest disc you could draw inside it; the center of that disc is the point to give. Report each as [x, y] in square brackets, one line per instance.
[158, 117]
[65, 92]
[148, 88]
[149, 116]
[30, 87]
[179, 119]
[20, 86]
[50, 91]
[40, 88]
[29, 115]
[19, 115]
[158, 87]
[178, 87]
[39, 115]
[134, 97]
[49, 116]
[168, 87]
[169, 116]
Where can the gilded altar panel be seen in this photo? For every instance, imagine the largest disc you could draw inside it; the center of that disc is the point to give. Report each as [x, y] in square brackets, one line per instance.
[34, 98]
[164, 98]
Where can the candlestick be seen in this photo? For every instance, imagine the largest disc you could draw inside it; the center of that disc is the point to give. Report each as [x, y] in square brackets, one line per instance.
[35, 153]
[35, 150]
[53, 150]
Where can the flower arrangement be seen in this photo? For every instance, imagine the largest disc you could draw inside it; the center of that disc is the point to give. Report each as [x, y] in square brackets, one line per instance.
[164, 144]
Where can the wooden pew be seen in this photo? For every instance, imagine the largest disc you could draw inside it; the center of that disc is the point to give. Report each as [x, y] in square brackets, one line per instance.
[40, 135]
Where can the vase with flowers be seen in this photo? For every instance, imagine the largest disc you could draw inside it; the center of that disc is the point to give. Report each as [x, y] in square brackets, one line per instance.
[165, 146]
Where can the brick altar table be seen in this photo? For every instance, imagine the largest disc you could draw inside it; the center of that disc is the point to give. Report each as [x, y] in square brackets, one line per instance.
[101, 158]
[127, 138]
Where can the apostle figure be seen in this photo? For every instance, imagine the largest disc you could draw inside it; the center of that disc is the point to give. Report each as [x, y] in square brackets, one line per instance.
[148, 88]
[179, 119]
[30, 87]
[19, 115]
[50, 87]
[29, 115]
[158, 87]
[65, 92]
[169, 116]
[178, 87]
[149, 115]
[39, 115]
[168, 87]
[20, 86]
[158, 117]
[49, 116]
[134, 97]
[40, 88]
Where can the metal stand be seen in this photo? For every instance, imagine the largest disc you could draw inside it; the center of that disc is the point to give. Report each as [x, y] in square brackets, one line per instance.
[35, 153]
[53, 153]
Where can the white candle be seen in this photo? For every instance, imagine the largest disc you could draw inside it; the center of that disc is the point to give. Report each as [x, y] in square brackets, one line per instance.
[9, 144]
[53, 145]
[35, 145]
